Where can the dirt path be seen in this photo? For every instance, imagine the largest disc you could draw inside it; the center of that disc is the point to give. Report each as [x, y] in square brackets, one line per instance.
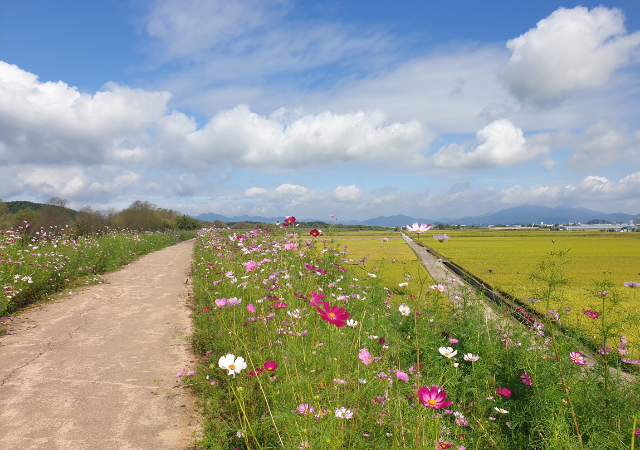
[96, 369]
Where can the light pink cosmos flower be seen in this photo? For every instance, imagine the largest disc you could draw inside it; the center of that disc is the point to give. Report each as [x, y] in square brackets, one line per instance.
[365, 357]
[233, 302]
[221, 302]
[437, 287]
[402, 376]
[251, 308]
[344, 413]
[291, 246]
[250, 266]
[577, 358]
[415, 228]
[306, 409]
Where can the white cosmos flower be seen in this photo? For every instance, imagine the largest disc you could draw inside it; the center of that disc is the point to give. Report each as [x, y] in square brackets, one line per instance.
[232, 364]
[352, 323]
[404, 310]
[344, 413]
[471, 357]
[500, 410]
[405, 284]
[372, 275]
[448, 352]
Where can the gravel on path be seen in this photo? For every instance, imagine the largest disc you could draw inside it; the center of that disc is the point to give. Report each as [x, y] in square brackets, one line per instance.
[96, 369]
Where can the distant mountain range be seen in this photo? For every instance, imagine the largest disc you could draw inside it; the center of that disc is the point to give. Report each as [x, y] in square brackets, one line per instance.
[511, 216]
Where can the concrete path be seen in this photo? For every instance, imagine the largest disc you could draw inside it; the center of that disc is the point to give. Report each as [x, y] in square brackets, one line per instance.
[96, 369]
[453, 285]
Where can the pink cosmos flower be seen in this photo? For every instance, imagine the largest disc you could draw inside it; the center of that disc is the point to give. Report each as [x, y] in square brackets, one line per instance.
[251, 308]
[270, 366]
[365, 357]
[233, 301]
[251, 265]
[279, 305]
[291, 246]
[221, 302]
[332, 215]
[415, 228]
[526, 379]
[316, 299]
[433, 397]
[402, 376]
[506, 393]
[591, 314]
[333, 314]
[577, 358]
[306, 409]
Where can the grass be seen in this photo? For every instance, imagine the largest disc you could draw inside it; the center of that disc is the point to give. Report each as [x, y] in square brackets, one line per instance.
[32, 268]
[327, 393]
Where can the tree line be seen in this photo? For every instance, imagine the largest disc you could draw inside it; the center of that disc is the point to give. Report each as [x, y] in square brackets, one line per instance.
[55, 215]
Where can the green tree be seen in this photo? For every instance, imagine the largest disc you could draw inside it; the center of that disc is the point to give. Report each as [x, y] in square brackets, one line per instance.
[185, 222]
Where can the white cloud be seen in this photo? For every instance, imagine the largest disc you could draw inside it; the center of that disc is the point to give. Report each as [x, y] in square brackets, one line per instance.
[603, 144]
[53, 123]
[350, 193]
[242, 138]
[501, 144]
[254, 192]
[571, 50]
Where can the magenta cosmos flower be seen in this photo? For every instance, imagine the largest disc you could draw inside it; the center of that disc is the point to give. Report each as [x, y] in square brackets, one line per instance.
[506, 393]
[333, 314]
[270, 366]
[577, 358]
[591, 314]
[434, 397]
[314, 233]
[526, 379]
[316, 299]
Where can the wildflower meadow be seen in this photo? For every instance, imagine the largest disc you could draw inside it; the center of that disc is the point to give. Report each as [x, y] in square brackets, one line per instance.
[34, 265]
[301, 345]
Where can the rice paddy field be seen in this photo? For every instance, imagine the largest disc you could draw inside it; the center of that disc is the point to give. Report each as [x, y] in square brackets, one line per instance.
[591, 263]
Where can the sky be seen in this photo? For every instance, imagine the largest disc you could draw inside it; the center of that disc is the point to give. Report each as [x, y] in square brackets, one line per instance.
[310, 108]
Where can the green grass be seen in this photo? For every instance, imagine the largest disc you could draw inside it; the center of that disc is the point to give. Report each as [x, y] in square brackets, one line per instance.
[319, 366]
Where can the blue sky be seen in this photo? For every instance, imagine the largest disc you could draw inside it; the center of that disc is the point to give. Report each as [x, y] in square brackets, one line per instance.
[362, 109]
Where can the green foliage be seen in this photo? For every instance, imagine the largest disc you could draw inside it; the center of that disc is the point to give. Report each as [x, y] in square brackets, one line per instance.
[185, 222]
[313, 356]
[35, 266]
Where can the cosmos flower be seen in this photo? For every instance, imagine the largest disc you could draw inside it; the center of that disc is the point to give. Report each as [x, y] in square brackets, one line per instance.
[471, 357]
[441, 237]
[289, 220]
[415, 228]
[404, 310]
[314, 233]
[232, 364]
[352, 323]
[500, 410]
[344, 413]
[365, 357]
[434, 397]
[526, 379]
[448, 352]
[506, 393]
[306, 409]
[631, 284]
[250, 266]
[270, 366]
[333, 314]
[577, 358]
[591, 314]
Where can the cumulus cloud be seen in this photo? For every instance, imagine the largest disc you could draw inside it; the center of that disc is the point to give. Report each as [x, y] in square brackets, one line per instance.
[603, 144]
[350, 193]
[501, 144]
[593, 190]
[571, 50]
[52, 122]
[241, 137]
